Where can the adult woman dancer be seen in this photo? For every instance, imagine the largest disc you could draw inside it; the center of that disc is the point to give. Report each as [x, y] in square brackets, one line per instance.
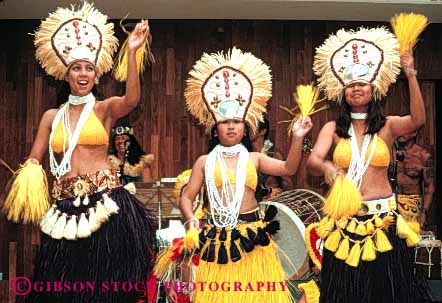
[228, 94]
[127, 156]
[366, 258]
[95, 233]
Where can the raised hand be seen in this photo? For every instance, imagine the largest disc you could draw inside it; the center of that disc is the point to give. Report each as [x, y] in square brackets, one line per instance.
[138, 35]
[301, 127]
[407, 63]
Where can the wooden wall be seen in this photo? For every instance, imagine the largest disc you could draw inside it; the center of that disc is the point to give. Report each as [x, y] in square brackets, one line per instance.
[161, 121]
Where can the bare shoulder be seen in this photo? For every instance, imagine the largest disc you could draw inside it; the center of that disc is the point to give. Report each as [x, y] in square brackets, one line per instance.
[103, 106]
[391, 119]
[48, 116]
[255, 156]
[330, 126]
[200, 162]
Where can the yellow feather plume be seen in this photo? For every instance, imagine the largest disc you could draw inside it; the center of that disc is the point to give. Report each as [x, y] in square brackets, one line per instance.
[143, 55]
[407, 27]
[306, 98]
[28, 198]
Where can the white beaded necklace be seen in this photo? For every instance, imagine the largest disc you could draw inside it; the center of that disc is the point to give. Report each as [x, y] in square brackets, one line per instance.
[358, 166]
[225, 208]
[58, 170]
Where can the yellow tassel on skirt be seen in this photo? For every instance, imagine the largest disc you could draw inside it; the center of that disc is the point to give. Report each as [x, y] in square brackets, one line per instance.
[257, 277]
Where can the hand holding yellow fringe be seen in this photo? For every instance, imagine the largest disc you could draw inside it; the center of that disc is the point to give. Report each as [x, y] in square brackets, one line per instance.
[407, 27]
[28, 198]
[306, 97]
[191, 240]
[143, 54]
[343, 199]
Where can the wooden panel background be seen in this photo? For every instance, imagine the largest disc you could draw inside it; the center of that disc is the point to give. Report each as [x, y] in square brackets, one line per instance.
[161, 121]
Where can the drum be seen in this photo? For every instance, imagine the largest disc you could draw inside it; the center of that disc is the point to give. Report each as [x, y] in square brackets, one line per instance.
[428, 259]
[296, 210]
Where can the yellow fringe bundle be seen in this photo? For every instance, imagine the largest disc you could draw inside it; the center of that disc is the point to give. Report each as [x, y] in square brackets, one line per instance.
[306, 98]
[405, 232]
[351, 227]
[332, 241]
[382, 242]
[369, 251]
[355, 255]
[325, 227]
[370, 228]
[407, 27]
[311, 291]
[414, 226]
[165, 263]
[191, 240]
[143, 55]
[361, 229]
[343, 250]
[28, 197]
[343, 200]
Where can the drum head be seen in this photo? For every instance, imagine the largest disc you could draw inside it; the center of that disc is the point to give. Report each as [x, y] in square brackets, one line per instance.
[293, 253]
[296, 210]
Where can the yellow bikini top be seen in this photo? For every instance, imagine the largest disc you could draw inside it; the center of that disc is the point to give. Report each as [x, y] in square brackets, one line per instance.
[251, 177]
[342, 154]
[93, 133]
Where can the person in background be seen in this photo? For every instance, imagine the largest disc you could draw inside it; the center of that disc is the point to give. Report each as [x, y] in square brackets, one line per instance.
[128, 158]
[414, 179]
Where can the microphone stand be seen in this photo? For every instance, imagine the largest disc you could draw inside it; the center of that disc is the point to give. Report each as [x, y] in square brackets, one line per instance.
[126, 154]
[399, 157]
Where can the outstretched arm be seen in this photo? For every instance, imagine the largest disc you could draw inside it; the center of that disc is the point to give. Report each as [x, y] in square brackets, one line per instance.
[403, 125]
[121, 106]
[277, 167]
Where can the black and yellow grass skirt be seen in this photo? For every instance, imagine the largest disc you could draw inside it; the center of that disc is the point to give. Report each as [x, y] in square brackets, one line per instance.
[367, 259]
[241, 264]
[97, 233]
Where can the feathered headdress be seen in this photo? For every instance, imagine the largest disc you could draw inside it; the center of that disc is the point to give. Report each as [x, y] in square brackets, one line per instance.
[235, 85]
[365, 55]
[71, 34]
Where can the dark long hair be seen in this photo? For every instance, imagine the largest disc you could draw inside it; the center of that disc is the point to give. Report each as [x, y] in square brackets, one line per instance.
[214, 140]
[64, 91]
[134, 152]
[375, 119]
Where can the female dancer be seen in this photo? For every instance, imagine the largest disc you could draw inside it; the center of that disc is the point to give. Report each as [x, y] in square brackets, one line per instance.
[366, 258]
[95, 233]
[228, 94]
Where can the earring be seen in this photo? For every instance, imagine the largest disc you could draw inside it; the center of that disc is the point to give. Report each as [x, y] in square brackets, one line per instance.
[215, 134]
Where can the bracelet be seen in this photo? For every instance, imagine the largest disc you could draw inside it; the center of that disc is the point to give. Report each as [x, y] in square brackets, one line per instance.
[33, 161]
[411, 71]
[190, 220]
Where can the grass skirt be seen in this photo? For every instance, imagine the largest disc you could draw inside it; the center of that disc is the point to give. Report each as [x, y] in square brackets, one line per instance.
[387, 279]
[257, 276]
[121, 250]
